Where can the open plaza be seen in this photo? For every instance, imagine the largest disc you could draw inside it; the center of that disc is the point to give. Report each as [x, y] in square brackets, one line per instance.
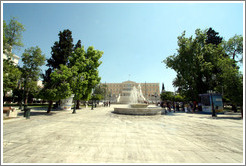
[101, 136]
[144, 83]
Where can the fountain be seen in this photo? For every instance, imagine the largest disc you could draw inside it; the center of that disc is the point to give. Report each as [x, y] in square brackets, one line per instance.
[137, 105]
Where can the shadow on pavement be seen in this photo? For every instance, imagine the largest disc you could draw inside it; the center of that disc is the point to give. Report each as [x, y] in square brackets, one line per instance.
[37, 113]
[232, 118]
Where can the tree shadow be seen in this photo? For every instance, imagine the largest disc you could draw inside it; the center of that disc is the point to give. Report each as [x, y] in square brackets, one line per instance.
[231, 118]
[36, 113]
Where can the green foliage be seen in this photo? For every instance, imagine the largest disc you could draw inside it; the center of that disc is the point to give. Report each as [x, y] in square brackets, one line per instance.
[87, 63]
[100, 92]
[12, 35]
[178, 98]
[61, 50]
[232, 81]
[55, 77]
[72, 70]
[167, 96]
[11, 75]
[234, 47]
[32, 59]
[212, 37]
[97, 97]
[59, 86]
[202, 66]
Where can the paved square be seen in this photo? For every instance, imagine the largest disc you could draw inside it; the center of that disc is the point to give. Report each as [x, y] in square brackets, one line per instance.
[99, 136]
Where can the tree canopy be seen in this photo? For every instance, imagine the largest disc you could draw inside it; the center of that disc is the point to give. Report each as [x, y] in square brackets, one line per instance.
[11, 75]
[12, 35]
[32, 59]
[201, 65]
[61, 50]
[72, 70]
[234, 47]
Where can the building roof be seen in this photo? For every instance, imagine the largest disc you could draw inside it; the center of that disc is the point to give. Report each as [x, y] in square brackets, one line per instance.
[129, 82]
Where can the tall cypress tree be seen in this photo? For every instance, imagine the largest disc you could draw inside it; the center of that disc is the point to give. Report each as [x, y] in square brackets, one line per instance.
[213, 37]
[78, 45]
[60, 52]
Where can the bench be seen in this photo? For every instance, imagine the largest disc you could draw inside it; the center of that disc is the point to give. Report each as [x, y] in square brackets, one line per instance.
[11, 112]
[6, 109]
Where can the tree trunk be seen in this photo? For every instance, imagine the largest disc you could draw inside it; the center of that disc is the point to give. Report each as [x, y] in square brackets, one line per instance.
[241, 111]
[26, 97]
[25, 100]
[77, 106]
[50, 105]
[4, 96]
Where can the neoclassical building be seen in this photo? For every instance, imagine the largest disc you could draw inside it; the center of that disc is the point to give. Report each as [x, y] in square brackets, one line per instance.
[150, 91]
[13, 58]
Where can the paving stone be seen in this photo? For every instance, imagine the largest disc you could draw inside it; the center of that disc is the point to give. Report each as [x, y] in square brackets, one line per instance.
[99, 136]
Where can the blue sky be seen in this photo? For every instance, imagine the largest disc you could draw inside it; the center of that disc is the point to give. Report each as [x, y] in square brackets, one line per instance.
[135, 37]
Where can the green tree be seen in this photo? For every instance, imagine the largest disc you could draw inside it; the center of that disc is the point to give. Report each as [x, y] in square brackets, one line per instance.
[167, 96]
[195, 64]
[87, 64]
[78, 45]
[92, 74]
[178, 98]
[232, 82]
[59, 85]
[202, 66]
[11, 75]
[12, 35]
[32, 60]
[61, 50]
[77, 61]
[83, 65]
[100, 92]
[213, 37]
[234, 47]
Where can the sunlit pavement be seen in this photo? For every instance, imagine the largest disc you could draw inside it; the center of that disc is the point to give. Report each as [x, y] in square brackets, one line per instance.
[100, 136]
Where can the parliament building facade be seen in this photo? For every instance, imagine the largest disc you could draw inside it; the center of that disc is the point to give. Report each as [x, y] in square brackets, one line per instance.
[117, 91]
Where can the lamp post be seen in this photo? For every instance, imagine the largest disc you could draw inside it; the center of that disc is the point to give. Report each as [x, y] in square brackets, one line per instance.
[110, 98]
[81, 78]
[92, 99]
[155, 98]
[213, 110]
[23, 94]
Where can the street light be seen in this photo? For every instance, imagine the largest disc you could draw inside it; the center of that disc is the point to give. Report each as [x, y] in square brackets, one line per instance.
[81, 78]
[92, 99]
[23, 93]
[213, 110]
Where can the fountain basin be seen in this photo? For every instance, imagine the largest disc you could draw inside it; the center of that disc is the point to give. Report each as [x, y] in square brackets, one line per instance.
[138, 105]
[138, 111]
